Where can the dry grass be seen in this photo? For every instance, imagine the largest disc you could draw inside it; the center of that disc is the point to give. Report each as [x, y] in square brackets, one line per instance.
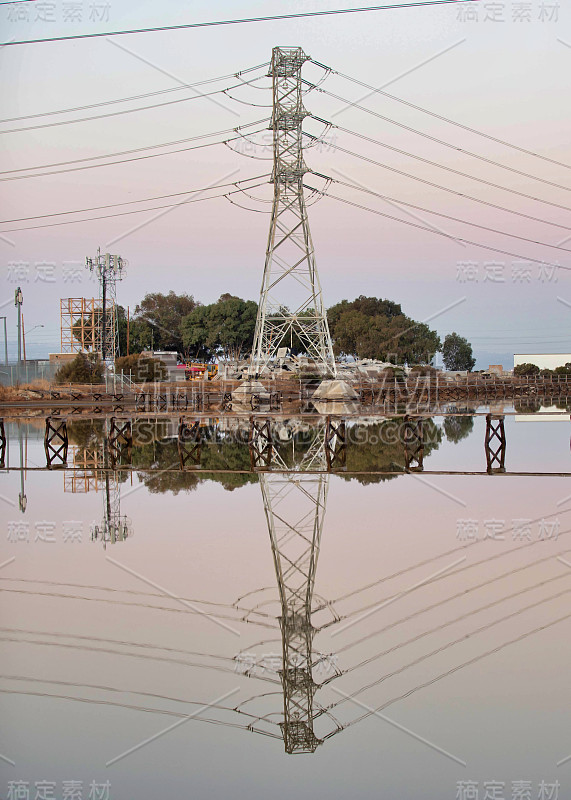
[39, 385]
[25, 391]
[7, 393]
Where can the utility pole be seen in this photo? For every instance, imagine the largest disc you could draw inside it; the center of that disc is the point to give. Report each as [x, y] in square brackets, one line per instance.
[114, 527]
[291, 300]
[109, 269]
[18, 300]
[22, 499]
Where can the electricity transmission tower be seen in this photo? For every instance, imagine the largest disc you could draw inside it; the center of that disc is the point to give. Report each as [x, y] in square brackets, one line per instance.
[291, 301]
[294, 504]
[109, 269]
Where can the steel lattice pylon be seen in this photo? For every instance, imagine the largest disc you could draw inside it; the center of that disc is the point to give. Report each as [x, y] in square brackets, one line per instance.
[291, 301]
[295, 510]
[294, 504]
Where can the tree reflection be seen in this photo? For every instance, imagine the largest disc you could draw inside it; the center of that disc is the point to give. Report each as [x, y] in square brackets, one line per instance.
[374, 449]
[458, 427]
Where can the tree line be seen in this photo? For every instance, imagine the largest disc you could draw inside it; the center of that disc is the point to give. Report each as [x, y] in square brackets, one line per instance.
[367, 327]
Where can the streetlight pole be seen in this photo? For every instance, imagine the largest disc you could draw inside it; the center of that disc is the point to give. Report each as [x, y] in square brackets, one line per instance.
[40, 325]
[18, 300]
[22, 499]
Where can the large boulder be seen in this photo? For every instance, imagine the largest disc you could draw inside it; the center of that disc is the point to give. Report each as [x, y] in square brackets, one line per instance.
[333, 390]
[242, 395]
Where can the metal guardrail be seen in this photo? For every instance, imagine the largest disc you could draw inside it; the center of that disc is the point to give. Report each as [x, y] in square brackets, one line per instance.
[125, 383]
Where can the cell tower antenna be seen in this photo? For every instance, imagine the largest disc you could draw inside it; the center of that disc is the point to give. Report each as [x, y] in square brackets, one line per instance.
[114, 527]
[109, 269]
[291, 301]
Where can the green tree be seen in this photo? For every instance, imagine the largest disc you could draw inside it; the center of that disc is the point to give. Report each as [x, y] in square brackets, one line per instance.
[457, 353]
[370, 327]
[141, 368]
[195, 333]
[121, 327]
[122, 330]
[458, 427]
[141, 335]
[350, 331]
[226, 327]
[162, 459]
[85, 368]
[375, 450]
[163, 314]
[526, 369]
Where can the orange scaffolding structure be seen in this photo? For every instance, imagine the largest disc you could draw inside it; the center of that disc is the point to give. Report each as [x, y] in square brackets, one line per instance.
[80, 323]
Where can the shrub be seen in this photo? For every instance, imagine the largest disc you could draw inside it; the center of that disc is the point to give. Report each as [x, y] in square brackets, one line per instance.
[423, 370]
[526, 369]
[85, 368]
[142, 369]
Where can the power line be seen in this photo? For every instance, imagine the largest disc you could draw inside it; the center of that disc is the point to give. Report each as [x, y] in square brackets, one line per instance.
[125, 213]
[122, 642]
[231, 606]
[450, 599]
[129, 202]
[441, 626]
[121, 161]
[450, 169]
[527, 330]
[250, 727]
[134, 97]
[215, 23]
[515, 340]
[126, 603]
[446, 674]
[76, 685]
[138, 656]
[439, 577]
[443, 118]
[439, 233]
[134, 150]
[445, 216]
[442, 142]
[425, 562]
[447, 189]
[126, 110]
[443, 648]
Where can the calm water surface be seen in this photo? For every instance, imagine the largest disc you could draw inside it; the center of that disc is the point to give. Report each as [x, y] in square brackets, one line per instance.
[410, 631]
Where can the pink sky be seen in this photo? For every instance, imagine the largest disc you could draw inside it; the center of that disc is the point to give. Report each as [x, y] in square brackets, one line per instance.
[506, 78]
